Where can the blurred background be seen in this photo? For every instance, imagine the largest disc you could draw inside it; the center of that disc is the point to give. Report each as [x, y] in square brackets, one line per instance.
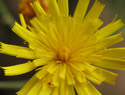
[9, 14]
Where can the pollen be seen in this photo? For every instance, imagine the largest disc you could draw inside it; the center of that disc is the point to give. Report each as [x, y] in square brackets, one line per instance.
[63, 54]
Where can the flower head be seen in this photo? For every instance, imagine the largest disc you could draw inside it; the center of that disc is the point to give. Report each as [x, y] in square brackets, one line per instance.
[69, 51]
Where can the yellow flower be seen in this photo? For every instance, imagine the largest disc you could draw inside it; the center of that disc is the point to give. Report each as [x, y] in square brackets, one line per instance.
[69, 51]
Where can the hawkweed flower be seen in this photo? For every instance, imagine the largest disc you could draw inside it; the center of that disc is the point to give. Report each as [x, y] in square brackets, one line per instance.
[68, 52]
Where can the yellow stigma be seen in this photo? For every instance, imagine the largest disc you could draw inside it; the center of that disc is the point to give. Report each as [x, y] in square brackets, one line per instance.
[63, 54]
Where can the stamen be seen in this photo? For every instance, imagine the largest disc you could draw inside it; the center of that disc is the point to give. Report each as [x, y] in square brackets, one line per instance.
[63, 54]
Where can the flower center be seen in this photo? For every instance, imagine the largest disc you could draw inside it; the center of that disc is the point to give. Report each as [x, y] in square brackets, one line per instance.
[63, 54]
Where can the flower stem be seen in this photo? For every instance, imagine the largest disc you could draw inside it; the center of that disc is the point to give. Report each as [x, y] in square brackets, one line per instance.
[7, 17]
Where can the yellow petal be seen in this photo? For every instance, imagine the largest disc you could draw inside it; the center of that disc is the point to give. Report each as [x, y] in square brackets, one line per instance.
[55, 91]
[28, 86]
[35, 90]
[40, 62]
[69, 77]
[91, 29]
[109, 41]
[19, 69]
[62, 70]
[53, 36]
[80, 88]
[71, 26]
[81, 9]
[46, 90]
[54, 9]
[52, 67]
[109, 29]
[42, 72]
[89, 67]
[62, 31]
[38, 25]
[22, 20]
[86, 29]
[113, 53]
[63, 88]
[115, 18]
[70, 90]
[38, 9]
[24, 33]
[94, 77]
[86, 89]
[92, 14]
[78, 75]
[92, 90]
[18, 51]
[64, 7]
[108, 76]
[55, 78]
[111, 63]
[77, 66]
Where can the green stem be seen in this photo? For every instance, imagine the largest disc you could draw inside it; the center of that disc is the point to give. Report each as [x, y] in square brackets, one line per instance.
[7, 17]
[12, 84]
